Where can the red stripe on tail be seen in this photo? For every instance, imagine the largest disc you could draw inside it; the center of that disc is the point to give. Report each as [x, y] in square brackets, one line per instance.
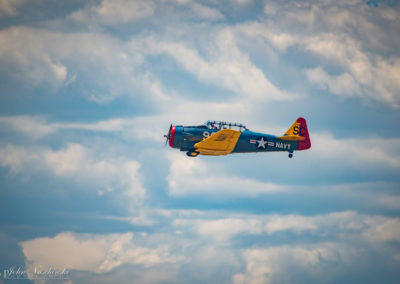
[306, 143]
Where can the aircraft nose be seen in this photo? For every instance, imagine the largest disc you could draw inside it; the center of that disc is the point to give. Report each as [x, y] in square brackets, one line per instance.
[172, 136]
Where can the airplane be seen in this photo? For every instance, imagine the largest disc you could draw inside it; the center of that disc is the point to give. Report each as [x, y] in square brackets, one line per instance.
[217, 138]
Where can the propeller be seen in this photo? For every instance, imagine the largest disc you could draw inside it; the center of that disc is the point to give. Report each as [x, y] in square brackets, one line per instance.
[168, 136]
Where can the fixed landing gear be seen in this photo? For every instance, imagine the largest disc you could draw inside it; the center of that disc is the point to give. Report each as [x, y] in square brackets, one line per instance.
[192, 153]
[290, 155]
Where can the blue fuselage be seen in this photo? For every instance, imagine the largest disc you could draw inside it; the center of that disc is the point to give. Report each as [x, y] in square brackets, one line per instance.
[186, 136]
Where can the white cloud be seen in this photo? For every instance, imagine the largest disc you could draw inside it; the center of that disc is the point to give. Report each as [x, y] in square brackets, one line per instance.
[197, 8]
[243, 2]
[141, 220]
[344, 226]
[365, 67]
[60, 71]
[124, 11]
[357, 41]
[100, 63]
[40, 63]
[343, 84]
[365, 151]
[224, 228]
[280, 40]
[66, 161]
[107, 175]
[81, 165]
[10, 7]
[116, 12]
[33, 126]
[149, 127]
[363, 72]
[110, 125]
[350, 233]
[206, 12]
[16, 158]
[188, 176]
[280, 263]
[292, 223]
[183, 112]
[388, 201]
[36, 127]
[383, 230]
[339, 240]
[225, 66]
[221, 230]
[89, 252]
[270, 8]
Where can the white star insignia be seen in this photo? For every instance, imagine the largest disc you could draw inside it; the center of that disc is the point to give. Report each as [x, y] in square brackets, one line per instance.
[261, 143]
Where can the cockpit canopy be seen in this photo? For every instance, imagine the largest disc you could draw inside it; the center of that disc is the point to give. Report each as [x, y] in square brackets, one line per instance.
[218, 125]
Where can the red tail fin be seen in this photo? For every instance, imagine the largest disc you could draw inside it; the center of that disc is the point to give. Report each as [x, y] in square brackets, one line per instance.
[303, 132]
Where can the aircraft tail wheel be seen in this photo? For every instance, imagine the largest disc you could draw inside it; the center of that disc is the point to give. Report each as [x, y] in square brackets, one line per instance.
[192, 153]
[290, 155]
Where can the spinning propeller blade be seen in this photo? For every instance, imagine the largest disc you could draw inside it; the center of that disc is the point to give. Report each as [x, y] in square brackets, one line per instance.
[168, 136]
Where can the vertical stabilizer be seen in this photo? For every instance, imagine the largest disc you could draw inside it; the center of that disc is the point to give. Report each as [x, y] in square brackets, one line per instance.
[300, 128]
[298, 132]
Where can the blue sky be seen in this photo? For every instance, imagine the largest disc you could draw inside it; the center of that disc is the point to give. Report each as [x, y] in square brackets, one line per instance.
[88, 88]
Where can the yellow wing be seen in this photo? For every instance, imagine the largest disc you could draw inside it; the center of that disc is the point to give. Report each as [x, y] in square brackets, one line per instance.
[221, 143]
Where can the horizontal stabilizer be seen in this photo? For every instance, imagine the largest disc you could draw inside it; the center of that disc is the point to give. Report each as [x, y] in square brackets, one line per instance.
[291, 137]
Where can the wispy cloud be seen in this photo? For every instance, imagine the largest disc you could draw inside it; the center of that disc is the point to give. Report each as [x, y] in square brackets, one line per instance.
[345, 225]
[113, 13]
[227, 66]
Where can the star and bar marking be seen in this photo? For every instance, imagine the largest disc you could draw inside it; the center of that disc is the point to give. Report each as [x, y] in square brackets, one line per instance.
[261, 144]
